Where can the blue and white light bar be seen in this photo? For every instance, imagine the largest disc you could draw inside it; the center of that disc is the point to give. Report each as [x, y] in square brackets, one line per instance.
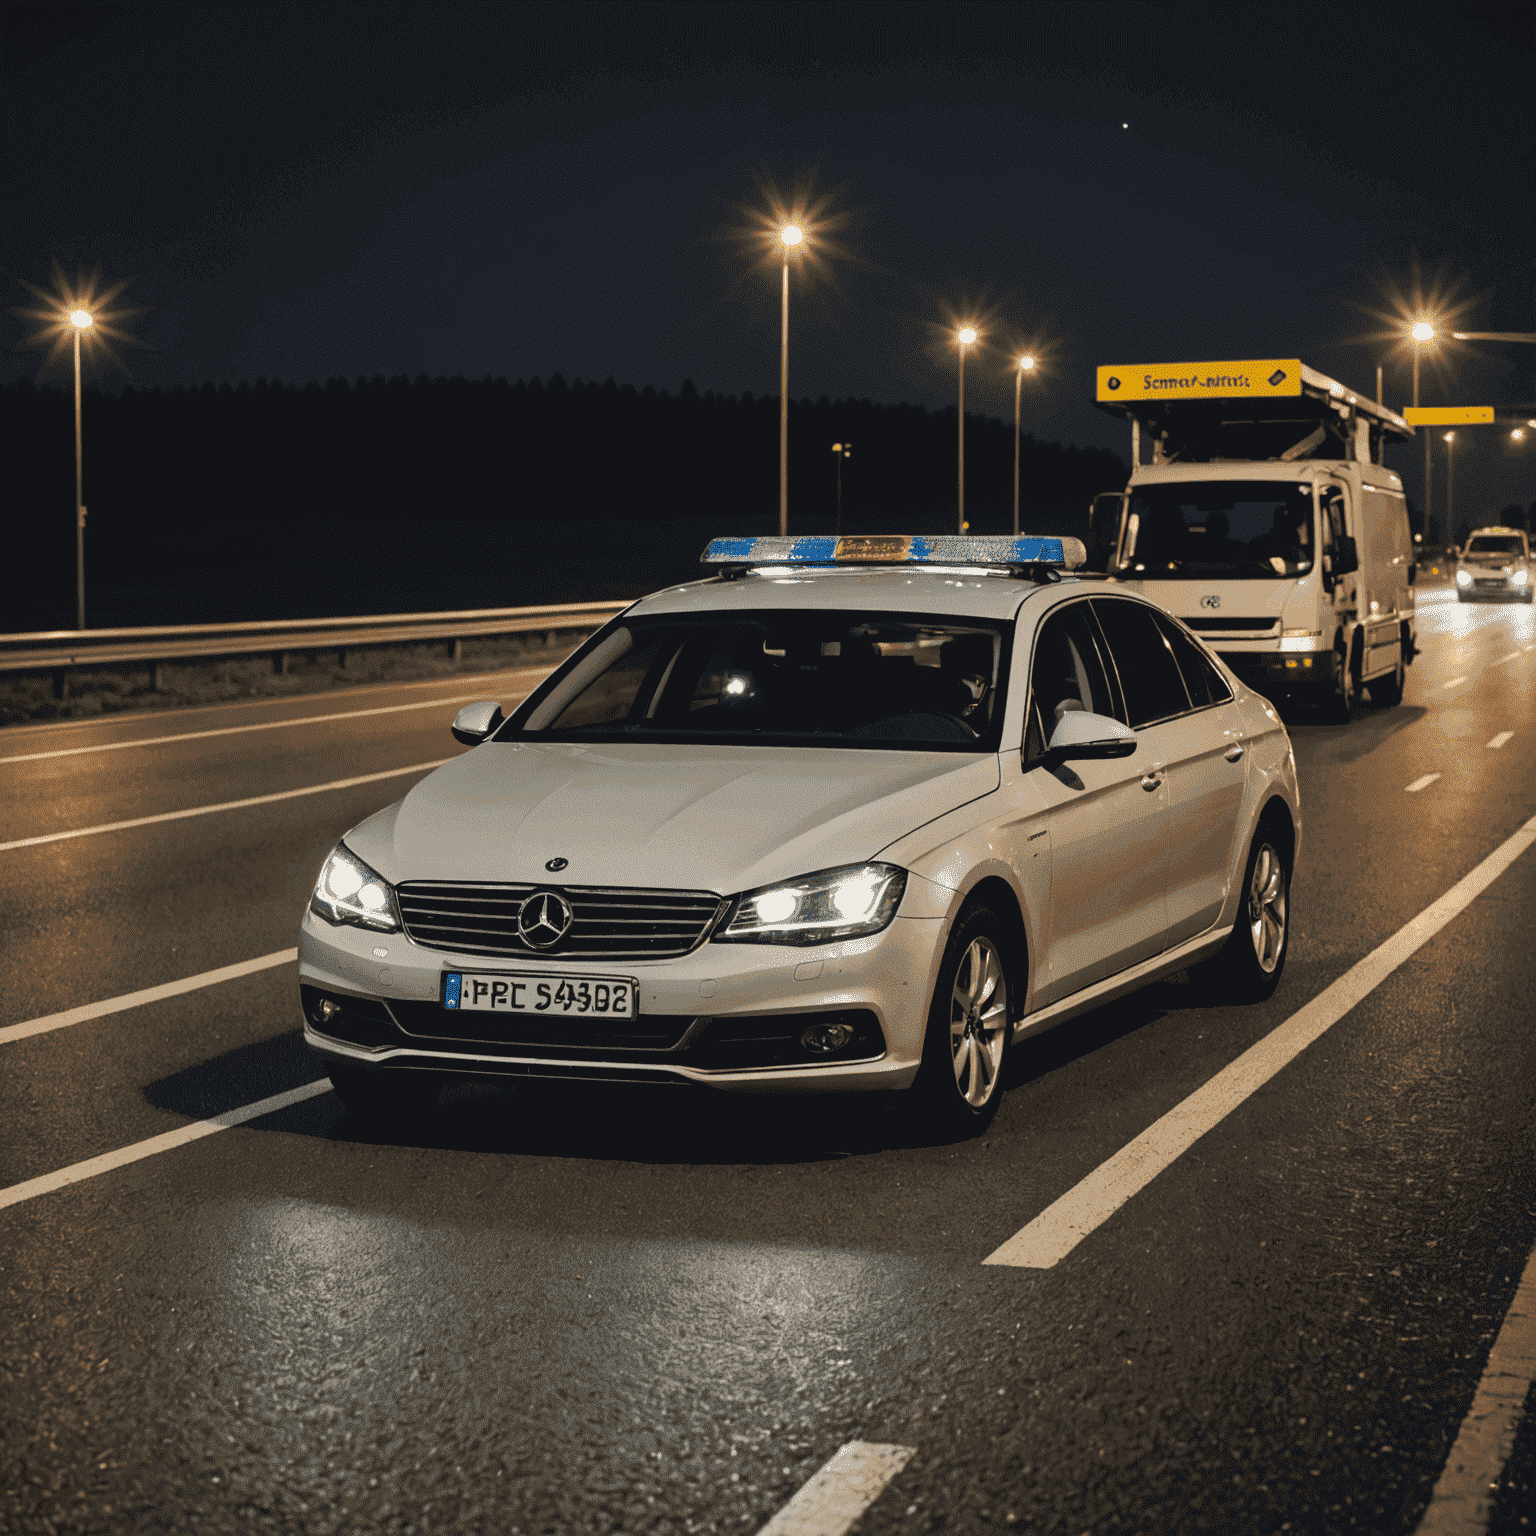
[1001, 550]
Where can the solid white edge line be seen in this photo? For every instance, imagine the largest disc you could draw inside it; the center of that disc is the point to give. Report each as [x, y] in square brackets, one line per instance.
[228, 805]
[49, 1182]
[1501, 738]
[1453, 682]
[1058, 1229]
[237, 730]
[1464, 1496]
[841, 1491]
[1513, 656]
[1424, 783]
[144, 995]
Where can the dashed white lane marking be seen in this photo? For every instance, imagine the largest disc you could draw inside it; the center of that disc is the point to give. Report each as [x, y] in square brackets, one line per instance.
[1462, 1502]
[49, 1182]
[1454, 682]
[227, 805]
[238, 730]
[838, 1494]
[1058, 1229]
[145, 995]
[1501, 738]
[1424, 783]
[1513, 656]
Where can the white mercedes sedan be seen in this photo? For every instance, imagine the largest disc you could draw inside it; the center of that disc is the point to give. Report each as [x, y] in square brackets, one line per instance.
[848, 814]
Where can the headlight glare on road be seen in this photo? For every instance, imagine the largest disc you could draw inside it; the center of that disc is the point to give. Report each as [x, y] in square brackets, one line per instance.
[348, 891]
[841, 903]
[1463, 578]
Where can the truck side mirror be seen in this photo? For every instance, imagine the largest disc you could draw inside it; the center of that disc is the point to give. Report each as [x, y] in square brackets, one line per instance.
[1104, 515]
[1345, 556]
[476, 721]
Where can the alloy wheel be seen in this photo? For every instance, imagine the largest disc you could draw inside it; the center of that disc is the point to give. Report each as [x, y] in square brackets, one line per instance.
[1266, 909]
[978, 1021]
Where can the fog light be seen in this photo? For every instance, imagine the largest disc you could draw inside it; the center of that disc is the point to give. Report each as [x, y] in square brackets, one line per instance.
[1291, 665]
[325, 1010]
[826, 1037]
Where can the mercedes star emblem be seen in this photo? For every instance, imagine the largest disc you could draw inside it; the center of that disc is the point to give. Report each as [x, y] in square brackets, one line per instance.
[545, 919]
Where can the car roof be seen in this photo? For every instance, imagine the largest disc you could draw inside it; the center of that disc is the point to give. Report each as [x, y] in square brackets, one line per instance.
[958, 591]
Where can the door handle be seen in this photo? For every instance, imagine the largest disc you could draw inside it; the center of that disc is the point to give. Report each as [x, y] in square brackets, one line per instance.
[1150, 781]
[1234, 752]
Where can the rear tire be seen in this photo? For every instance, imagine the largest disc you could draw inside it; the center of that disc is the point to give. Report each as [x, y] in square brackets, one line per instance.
[381, 1097]
[965, 1048]
[1388, 691]
[1251, 962]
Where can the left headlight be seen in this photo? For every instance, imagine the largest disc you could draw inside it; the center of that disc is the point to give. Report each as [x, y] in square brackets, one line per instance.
[1463, 578]
[348, 891]
[832, 904]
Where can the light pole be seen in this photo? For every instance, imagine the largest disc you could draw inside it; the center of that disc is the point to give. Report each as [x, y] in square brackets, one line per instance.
[965, 337]
[1450, 483]
[1423, 335]
[1025, 365]
[841, 451]
[790, 236]
[81, 320]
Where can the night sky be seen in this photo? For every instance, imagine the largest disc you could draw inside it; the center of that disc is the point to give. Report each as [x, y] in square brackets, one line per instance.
[311, 191]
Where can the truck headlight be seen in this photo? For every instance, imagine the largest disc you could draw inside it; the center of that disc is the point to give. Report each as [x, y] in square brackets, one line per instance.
[348, 891]
[832, 904]
[1463, 578]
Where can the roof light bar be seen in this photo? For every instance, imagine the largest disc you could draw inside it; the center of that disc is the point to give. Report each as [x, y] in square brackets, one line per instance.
[897, 549]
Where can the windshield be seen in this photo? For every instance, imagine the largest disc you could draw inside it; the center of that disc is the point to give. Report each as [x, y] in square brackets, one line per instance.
[802, 678]
[1243, 528]
[1496, 544]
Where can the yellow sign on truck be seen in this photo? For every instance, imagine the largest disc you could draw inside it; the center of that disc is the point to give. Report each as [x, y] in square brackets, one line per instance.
[1447, 415]
[1264, 378]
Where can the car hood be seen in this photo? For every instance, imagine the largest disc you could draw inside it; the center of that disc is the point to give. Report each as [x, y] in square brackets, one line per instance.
[714, 818]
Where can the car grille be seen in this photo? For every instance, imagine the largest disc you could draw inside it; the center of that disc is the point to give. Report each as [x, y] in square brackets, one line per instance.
[1258, 626]
[481, 919]
[1489, 581]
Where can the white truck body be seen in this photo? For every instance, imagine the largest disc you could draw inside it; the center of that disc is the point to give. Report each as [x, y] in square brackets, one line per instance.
[1297, 570]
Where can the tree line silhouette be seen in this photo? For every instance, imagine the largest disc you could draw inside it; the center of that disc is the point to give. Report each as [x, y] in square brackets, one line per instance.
[205, 487]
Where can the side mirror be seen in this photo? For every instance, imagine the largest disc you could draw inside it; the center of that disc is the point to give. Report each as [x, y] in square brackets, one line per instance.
[1080, 735]
[476, 721]
[1345, 556]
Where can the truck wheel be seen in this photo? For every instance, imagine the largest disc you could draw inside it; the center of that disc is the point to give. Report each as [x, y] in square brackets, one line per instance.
[1340, 704]
[959, 1083]
[1387, 691]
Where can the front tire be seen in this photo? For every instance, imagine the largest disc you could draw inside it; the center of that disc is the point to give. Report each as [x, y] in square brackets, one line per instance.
[959, 1083]
[1388, 691]
[1339, 707]
[1251, 962]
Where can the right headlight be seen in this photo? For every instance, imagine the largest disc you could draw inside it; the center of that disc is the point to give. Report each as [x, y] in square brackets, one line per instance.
[844, 903]
[348, 891]
[1463, 578]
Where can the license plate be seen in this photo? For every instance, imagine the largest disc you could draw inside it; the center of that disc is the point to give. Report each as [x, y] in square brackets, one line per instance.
[611, 997]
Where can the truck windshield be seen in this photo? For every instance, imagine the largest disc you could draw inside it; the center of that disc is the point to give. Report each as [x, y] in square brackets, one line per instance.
[1241, 528]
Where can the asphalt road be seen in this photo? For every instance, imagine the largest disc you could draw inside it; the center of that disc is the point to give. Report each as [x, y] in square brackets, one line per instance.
[549, 1310]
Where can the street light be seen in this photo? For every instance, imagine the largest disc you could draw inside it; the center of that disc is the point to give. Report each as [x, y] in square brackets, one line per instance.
[1025, 365]
[790, 236]
[964, 337]
[841, 451]
[1422, 334]
[80, 320]
[1450, 482]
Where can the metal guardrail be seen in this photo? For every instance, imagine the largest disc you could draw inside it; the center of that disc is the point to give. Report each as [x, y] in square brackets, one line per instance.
[59, 649]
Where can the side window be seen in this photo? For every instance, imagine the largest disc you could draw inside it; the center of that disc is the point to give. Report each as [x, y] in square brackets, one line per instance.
[1205, 684]
[1068, 673]
[1149, 676]
[1334, 527]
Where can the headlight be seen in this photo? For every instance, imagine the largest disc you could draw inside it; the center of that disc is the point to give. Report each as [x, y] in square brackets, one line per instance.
[1519, 578]
[1463, 578]
[349, 892]
[815, 909]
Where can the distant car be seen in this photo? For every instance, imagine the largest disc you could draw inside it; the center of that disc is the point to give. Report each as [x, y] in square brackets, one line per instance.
[851, 814]
[1496, 563]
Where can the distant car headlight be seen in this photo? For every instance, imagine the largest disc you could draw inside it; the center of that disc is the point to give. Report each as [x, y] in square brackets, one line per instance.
[1463, 578]
[348, 891]
[815, 909]
[1519, 579]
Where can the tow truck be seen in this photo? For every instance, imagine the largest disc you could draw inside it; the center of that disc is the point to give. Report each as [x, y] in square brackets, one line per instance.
[1268, 522]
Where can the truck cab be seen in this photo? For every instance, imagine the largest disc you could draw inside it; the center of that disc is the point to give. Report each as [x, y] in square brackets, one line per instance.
[1267, 522]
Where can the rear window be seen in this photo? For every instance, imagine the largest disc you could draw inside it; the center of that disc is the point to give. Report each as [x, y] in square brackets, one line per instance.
[802, 678]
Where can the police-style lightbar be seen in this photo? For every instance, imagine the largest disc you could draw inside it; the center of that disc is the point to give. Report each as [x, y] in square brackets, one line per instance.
[1001, 550]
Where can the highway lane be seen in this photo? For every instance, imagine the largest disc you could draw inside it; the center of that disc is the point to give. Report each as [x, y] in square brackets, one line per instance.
[697, 1308]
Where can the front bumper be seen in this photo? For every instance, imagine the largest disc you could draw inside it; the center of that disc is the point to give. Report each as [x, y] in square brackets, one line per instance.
[727, 1016]
[1276, 673]
[1494, 589]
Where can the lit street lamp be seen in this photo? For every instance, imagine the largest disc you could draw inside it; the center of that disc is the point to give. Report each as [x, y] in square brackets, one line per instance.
[1422, 335]
[1025, 365]
[965, 337]
[840, 452]
[790, 236]
[81, 320]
